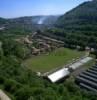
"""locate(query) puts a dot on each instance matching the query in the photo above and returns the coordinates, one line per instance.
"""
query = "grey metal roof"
(88, 77)
(91, 71)
(90, 74)
(86, 81)
(93, 68)
(88, 87)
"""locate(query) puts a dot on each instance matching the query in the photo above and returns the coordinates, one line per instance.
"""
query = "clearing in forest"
(55, 59)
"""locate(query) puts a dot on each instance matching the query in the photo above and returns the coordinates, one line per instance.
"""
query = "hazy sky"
(16, 8)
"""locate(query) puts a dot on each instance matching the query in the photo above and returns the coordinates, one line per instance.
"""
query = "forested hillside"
(82, 18)
(30, 22)
(3, 21)
(26, 25)
(78, 26)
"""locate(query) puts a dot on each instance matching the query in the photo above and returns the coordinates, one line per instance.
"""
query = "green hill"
(3, 21)
(29, 21)
(82, 18)
(79, 26)
(27, 24)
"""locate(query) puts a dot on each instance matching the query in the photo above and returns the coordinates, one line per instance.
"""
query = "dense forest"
(79, 25)
(83, 18)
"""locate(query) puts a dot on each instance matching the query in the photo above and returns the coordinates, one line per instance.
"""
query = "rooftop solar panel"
(90, 74)
(93, 68)
(91, 71)
(86, 81)
(88, 87)
(89, 77)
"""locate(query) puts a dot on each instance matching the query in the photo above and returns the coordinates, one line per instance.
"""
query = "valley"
(50, 57)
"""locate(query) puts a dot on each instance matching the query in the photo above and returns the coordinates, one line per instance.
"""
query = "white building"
(65, 72)
(58, 75)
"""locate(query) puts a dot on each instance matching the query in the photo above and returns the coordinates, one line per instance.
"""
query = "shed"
(58, 75)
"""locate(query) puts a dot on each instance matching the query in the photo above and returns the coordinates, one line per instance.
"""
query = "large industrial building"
(66, 70)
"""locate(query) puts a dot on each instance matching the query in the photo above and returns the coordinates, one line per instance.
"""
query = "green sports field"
(53, 60)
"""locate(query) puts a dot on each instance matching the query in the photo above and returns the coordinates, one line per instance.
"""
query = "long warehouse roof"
(61, 73)
(58, 75)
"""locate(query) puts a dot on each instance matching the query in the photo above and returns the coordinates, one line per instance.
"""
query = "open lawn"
(53, 60)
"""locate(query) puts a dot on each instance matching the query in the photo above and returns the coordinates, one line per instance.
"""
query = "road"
(3, 96)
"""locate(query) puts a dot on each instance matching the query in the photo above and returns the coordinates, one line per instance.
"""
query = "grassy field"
(53, 60)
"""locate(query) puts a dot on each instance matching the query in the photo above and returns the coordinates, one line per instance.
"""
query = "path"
(3, 96)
